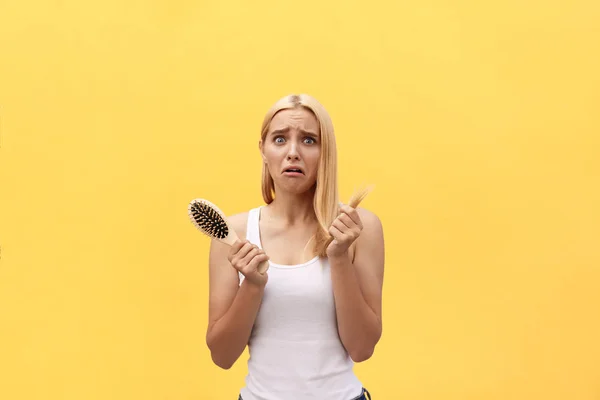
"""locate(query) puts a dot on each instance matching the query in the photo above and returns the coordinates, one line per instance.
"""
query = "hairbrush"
(211, 221)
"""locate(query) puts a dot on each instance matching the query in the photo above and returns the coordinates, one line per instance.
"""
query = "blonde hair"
(326, 198)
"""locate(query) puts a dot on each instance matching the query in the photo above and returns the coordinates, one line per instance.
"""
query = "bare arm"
(233, 307)
(357, 287)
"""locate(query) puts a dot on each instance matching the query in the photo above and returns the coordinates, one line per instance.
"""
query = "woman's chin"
(295, 188)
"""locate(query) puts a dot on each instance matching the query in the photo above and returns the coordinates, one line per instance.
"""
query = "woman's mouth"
(293, 172)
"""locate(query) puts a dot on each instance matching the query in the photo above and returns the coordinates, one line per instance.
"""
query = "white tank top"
(295, 349)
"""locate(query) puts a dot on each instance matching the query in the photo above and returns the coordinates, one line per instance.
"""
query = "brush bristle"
(208, 220)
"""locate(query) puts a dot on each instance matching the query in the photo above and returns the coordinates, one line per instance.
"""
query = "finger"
(338, 235)
(347, 221)
(237, 245)
(347, 209)
(242, 252)
(352, 229)
(251, 254)
(252, 265)
(349, 233)
(353, 214)
(256, 260)
(245, 249)
(341, 226)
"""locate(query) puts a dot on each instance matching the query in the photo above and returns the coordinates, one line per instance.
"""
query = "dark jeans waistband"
(365, 395)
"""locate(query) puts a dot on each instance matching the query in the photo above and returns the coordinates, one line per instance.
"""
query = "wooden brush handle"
(263, 267)
(232, 238)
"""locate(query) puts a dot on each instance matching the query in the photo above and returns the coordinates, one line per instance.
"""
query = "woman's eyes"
(307, 140)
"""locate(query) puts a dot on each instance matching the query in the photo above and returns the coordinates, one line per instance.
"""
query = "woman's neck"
(293, 209)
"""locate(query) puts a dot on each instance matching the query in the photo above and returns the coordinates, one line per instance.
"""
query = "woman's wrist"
(340, 258)
(254, 287)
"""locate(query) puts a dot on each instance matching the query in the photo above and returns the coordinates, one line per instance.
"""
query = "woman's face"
(292, 149)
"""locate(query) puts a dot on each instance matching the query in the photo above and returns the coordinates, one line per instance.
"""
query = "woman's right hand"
(245, 258)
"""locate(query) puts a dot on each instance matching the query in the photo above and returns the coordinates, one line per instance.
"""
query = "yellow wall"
(477, 121)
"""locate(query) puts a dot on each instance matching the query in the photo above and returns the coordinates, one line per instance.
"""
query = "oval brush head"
(210, 220)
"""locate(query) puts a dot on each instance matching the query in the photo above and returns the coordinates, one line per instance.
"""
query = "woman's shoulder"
(239, 222)
(372, 233)
(372, 226)
(368, 216)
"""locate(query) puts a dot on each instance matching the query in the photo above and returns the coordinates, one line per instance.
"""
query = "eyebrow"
(278, 131)
(309, 133)
(285, 130)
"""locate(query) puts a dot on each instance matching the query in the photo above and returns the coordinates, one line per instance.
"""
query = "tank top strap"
(252, 232)
(252, 227)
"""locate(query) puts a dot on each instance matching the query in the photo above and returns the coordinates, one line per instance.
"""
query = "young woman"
(317, 309)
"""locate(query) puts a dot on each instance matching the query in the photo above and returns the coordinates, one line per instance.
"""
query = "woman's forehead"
(298, 118)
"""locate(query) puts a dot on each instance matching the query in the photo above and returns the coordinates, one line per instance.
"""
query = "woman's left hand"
(345, 229)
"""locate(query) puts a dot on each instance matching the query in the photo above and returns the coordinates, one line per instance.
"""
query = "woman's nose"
(292, 153)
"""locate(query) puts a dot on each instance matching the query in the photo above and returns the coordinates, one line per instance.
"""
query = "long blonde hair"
(326, 197)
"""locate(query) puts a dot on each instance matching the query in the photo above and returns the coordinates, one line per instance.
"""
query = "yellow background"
(478, 122)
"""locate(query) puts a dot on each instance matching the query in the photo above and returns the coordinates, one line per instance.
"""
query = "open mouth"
(293, 171)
